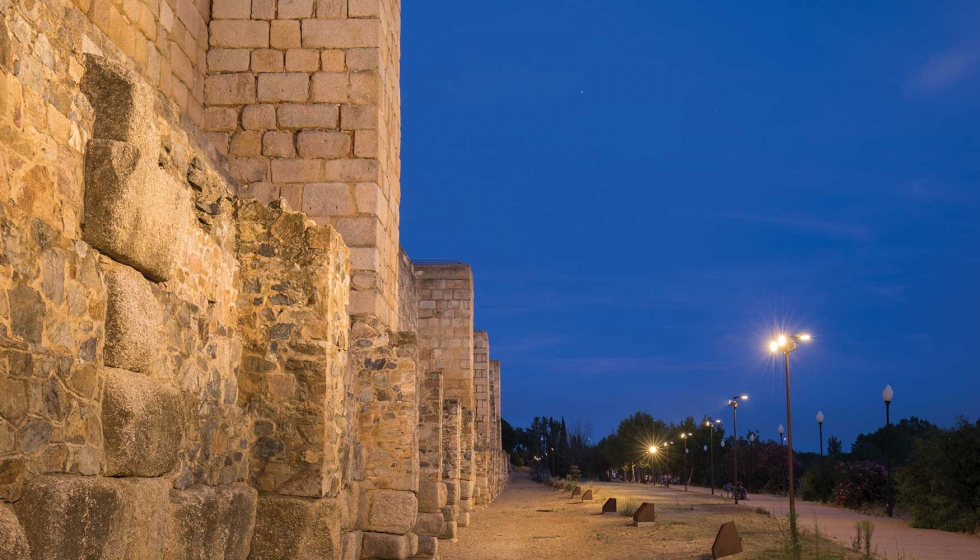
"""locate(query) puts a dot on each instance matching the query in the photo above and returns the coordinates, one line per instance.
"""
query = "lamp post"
(887, 395)
(711, 446)
(786, 345)
(781, 430)
(751, 464)
(653, 453)
(684, 474)
(554, 472)
(820, 424)
(733, 402)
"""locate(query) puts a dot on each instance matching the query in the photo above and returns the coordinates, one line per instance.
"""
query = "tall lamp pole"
(711, 445)
(751, 445)
(781, 431)
(786, 345)
(733, 402)
(554, 472)
(685, 437)
(887, 395)
(820, 424)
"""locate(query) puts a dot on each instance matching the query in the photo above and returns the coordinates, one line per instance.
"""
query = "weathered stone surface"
(465, 505)
(142, 425)
(207, 523)
(463, 519)
(428, 547)
(429, 524)
(71, 517)
(390, 511)
(352, 546)
(452, 492)
(123, 105)
(432, 496)
(134, 212)
(296, 528)
(133, 319)
(449, 514)
(383, 546)
(13, 541)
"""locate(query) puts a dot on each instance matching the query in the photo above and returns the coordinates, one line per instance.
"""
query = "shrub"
(941, 482)
(818, 484)
(516, 460)
(860, 483)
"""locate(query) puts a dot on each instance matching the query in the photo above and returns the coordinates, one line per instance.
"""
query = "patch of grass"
(862, 541)
(628, 506)
(763, 511)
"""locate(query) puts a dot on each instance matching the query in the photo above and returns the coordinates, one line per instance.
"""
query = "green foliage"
(516, 459)
(941, 482)
(861, 543)
(818, 483)
(834, 446)
(871, 447)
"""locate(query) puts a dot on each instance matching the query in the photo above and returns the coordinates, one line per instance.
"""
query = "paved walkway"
(892, 536)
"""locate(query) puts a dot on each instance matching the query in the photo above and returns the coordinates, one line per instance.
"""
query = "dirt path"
(892, 536)
(534, 521)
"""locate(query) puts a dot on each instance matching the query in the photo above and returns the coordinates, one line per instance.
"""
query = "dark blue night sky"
(646, 189)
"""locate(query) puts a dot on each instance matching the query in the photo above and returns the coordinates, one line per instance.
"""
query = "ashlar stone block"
(382, 546)
(13, 541)
(390, 511)
(142, 425)
(296, 528)
(432, 496)
(68, 517)
(123, 105)
(429, 524)
(133, 319)
(207, 523)
(134, 212)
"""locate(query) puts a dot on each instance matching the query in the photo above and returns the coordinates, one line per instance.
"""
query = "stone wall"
(481, 397)
(446, 343)
(304, 98)
(186, 371)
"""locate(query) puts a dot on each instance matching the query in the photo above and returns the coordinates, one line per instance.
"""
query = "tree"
(834, 446)
(871, 447)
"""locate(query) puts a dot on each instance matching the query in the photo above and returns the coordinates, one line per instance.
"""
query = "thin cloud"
(944, 70)
(924, 189)
(627, 365)
(810, 225)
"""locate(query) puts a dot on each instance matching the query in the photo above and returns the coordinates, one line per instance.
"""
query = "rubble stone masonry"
(211, 343)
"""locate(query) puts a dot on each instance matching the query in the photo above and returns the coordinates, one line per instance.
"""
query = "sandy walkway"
(892, 536)
(534, 521)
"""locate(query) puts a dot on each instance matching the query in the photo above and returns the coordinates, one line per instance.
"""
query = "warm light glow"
(781, 340)
(683, 436)
(805, 337)
(717, 421)
(744, 397)
(773, 346)
(653, 449)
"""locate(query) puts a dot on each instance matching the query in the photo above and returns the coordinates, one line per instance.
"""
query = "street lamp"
(711, 445)
(781, 430)
(733, 402)
(751, 445)
(684, 474)
(786, 345)
(887, 395)
(820, 424)
(653, 451)
(554, 471)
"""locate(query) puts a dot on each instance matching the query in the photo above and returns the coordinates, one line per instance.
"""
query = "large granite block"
(432, 496)
(13, 541)
(208, 523)
(142, 425)
(133, 319)
(390, 511)
(123, 105)
(134, 212)
(384, 546)
(296, 528)
(71, 517)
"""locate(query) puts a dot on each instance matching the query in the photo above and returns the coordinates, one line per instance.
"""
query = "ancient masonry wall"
(186, 371)
(481, 396)
(303, 96)
(446, 342)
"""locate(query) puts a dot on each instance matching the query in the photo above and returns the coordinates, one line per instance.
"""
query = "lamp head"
(751, 437)
(888, 394)
(819, 417)
(653, 449)
(774, 347)
(781, 429)
(804, 337)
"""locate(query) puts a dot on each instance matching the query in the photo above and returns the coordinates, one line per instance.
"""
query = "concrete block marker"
(727, 542)
(587, 497)
(609, 506)
(645, 515)
(577, 491)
